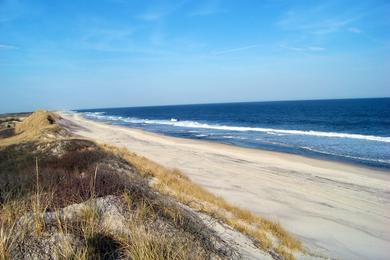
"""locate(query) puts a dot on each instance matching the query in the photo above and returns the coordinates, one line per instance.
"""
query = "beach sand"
(338, 210)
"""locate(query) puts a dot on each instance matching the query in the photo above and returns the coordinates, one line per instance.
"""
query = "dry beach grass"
(64, 197)
(174, 183)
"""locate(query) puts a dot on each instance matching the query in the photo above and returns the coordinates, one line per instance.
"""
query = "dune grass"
(39, 176)
(174, 183)
(178, 240)
(70, 170)
(150, 244)
(7, 241)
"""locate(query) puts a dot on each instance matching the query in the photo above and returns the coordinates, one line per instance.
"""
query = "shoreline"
(319, 201)
(327, 162)
(381, 164)
(317, 156)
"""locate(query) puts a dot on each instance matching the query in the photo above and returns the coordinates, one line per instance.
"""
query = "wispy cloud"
(315, 48)
(303, 49)
(233, 50)
(324, 18)
(294, 21)
(11, 10)
(354, 30)
(206, 12)
(209, 8)
(319, 24)
(152, 15)
(8, 47)
(107, 39)
(158, 12)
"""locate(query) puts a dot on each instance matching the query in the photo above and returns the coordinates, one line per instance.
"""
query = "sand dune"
(339, 210)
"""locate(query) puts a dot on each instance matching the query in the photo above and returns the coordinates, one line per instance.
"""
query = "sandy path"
(339, 210)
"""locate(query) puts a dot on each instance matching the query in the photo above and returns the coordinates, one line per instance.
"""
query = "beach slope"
(338, 210)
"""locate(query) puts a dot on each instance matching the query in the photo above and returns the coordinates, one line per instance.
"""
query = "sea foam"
(194, 124)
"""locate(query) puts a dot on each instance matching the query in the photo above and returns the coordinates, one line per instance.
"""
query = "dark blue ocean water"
(352, 130)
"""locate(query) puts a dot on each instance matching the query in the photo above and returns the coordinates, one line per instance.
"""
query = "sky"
(117, 53)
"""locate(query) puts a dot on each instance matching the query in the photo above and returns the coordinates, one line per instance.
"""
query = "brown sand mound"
(40, 125)
(37, 121)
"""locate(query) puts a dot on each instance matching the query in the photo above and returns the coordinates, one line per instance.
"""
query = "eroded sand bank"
(339, 210)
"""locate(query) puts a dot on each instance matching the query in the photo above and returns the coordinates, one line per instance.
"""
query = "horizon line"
(229, 102)
(194, 104)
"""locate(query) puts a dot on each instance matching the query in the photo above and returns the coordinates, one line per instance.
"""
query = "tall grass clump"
(37, 208)
(158, 243)
(7, 241)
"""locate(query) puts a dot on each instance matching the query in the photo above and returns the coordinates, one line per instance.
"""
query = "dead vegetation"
(268, 235)
(68, 198)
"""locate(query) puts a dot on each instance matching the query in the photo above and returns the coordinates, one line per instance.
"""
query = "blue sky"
(111, 53)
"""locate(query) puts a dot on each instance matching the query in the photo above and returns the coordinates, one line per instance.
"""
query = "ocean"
(348, 130)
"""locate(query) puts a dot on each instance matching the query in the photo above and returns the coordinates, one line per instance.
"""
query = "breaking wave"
(194, 124)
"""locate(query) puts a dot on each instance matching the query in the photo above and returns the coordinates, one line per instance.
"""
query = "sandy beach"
(338, 210)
